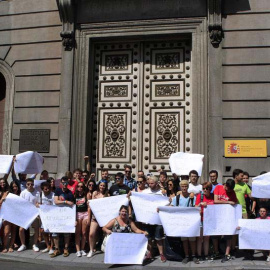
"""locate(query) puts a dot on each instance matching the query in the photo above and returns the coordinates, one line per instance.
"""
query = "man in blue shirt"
(128, 180)
(213, 175)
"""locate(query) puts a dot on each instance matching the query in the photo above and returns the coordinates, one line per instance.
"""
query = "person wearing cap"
(63, 196)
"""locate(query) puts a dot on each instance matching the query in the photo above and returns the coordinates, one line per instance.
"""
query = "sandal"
(4, 250)
(10, 249)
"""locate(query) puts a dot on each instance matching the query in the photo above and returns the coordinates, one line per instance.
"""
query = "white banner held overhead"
(5, 163)
(261, 186)
(145, 207)
(180, 221)
(182, 163)
(221, 219)
(18, 211)
(254, 234)
(58, 219)
(28, 162)
(125, 248)
(106, 209)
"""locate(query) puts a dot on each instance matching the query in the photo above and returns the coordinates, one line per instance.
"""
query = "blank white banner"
(18, 211)
(125, 248)
(254, 234)
(106, 209)
(221, 219)
(145, 207)
(5, 163)
(180, 221)
(28, 162)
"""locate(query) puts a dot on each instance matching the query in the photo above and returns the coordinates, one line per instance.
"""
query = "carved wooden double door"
(142, 104)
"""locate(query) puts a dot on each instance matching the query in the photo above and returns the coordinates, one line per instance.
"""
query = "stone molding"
(66, 12)
(215, 22)
(195, 28)
(7, 71)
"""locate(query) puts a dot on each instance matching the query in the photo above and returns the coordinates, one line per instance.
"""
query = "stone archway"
(6, 100)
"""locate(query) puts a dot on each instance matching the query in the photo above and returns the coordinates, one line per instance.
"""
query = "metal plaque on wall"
(34, 140)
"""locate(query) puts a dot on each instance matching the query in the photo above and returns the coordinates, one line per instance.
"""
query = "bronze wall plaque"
(34, 140)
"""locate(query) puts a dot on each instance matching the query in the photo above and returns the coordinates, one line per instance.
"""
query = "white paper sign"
(254, 234)
(5, 163)
(221, 219)
(180, 221)
(182, 163)
(261, 189)
(106, 209)
(28, 162)
(18, 211)
(37, 184)
(58, 219)
(125, 248)
(145, 207)
(265, 176)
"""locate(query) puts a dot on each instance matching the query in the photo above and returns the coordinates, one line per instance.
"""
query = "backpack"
(189, 200)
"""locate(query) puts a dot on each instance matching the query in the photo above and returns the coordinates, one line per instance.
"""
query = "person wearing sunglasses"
(80, 199)
(119, 188)
(63, 197)
(33, 196)
(203, 199)
(128, 180)
(141, 184)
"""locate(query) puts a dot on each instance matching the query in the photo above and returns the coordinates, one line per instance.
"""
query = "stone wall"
(246, 83)
(30, 44)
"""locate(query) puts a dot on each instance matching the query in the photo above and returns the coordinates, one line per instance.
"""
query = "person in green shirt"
(241, 189)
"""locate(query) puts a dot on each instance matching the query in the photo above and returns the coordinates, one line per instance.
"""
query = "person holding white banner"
(33, 196)
(202, 200)
(63, 196)
(154, 231)
(185, 199)
(226, 195)
(101, 192)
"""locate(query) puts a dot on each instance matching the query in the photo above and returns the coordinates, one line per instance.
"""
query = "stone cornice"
(215, 22)
(66, 12)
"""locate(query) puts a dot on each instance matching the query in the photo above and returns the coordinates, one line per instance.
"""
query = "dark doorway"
(3, 86)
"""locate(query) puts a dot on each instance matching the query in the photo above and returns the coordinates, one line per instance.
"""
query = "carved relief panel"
(142, 104)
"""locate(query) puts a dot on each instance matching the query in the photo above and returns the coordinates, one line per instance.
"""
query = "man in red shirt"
(226, 195)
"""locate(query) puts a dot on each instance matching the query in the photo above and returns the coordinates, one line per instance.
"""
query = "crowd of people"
(78, 187)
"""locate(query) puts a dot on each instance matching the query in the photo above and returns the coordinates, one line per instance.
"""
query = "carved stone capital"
(66, 12)
(215, 22)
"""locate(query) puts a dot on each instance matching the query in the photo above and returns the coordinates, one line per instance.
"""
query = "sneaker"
(35, 248)
(45, 250)
(83, 253)
(268, 259)
(195, 260)
(22, 248)
(79, 254)
(91, 254)
(186, 260)
(51, 251)
(55, 253)
(66, 253)
(162, 258)
(226, 258)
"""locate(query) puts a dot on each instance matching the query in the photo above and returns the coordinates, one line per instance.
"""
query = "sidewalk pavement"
(97, 262)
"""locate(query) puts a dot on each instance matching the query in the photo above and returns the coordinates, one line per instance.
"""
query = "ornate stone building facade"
(130, 82)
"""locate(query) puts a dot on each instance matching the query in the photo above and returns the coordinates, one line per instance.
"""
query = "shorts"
(82, 215)
(57, 234)
(191, 239)
(154, 231)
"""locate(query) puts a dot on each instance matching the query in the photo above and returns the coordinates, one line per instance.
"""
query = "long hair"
(106, 191)
(174, 188)
(94, 185)
(6, 188)
(84, 191)
(11, 190)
